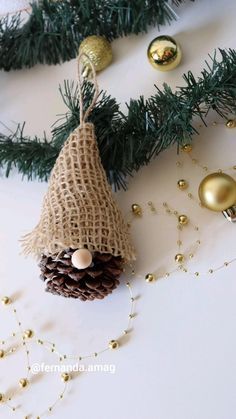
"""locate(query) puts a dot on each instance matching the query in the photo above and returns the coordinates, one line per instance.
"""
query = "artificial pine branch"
(129, 141)
(54, 30)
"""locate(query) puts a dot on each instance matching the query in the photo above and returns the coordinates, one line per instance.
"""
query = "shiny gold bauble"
(136, 210)
(179, 258)
(183, 219)
(217, 192)
(187, 148)
(150, 277)
(6, 301)
(65, 377)
(23, 382)
(182, 184)
(99, 51)
(113, 344)
(164, 53)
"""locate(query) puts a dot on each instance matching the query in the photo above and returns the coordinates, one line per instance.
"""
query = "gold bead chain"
(27, 337)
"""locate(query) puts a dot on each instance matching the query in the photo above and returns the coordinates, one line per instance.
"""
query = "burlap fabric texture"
(79, 210)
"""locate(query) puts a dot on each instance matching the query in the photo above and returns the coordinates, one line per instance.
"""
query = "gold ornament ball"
(179, 258)
(2, 353)
(187, 148)
(99, 51)
(136, 210)
(182, 184)
(65, 377)
(183, 219)
(23, 382)
(164, 53)
(217, 192)
(113, 344)
(150, 277)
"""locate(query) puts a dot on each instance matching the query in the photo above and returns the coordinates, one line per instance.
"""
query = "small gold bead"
(13, 409)
(61, 396)
(226, 263)
(6, 301)
(128, 284)
(136, 210)
(50, 409)
(187, 148)
(1, 397)
(198, 242)
(23, 382)
(28, 334)
(95, 354)
(196, 274)
(125, 332)
(231, 123)
(132, 299)
(182, 184)
(210, 271)
(191, 255)
(150, 277)
(65, 377)
(167, 274)
(190, 195)
(113, 344)
(179, 258)
(214, 123)
(2, 353)
(183, 219)
(131, 316)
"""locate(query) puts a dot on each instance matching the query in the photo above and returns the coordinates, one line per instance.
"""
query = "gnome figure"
(82, 238)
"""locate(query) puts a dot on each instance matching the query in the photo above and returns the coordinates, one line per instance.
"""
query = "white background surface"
(180, 361)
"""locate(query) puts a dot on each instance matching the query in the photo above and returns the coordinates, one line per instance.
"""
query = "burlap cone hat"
(79, 210)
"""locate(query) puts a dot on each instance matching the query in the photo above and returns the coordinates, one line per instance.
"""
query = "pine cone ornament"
(81, 238)
(96, 281)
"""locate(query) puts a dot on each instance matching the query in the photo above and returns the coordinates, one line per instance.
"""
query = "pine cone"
(97, 281)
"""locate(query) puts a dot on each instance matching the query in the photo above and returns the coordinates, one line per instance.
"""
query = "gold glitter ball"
(164, 53)
(99, 51)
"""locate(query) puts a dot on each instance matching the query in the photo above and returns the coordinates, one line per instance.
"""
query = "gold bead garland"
(28, 337)
(24, 382)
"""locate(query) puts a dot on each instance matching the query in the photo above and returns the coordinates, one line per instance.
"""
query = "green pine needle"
(131, 140)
